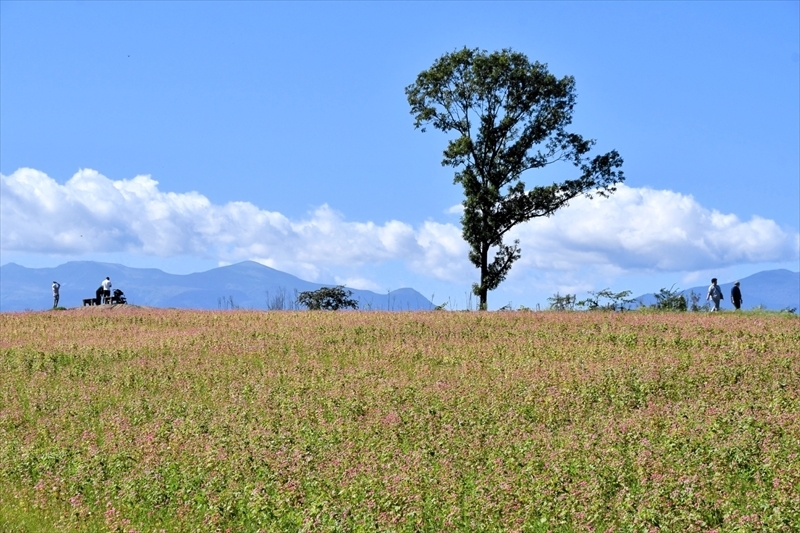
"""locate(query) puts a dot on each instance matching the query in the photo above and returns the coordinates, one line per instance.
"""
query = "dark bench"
(106, 300)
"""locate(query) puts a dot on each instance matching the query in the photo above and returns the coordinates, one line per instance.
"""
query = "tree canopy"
(328, 299)
(510, 116)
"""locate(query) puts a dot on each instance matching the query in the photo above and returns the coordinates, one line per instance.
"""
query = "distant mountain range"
(246, 285)
(770, 289)
(251, 285)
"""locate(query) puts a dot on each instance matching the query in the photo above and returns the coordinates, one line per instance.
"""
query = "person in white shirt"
(714, 294)
(106, 287)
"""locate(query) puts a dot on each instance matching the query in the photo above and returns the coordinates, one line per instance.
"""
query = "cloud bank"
(91, 212)
(637, 229)
(658, 230)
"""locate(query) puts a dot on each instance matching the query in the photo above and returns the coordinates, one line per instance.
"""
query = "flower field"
(138, 420)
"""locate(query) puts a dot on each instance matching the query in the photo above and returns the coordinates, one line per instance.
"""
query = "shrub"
(613, 301)
(696, 305)
(562, 303)
(670, 300)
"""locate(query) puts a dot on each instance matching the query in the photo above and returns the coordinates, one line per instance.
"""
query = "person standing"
(714, 294)
(106, 287)
(736, 296)
(56, 287)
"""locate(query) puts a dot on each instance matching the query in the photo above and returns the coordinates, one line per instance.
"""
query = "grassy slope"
(149, 420)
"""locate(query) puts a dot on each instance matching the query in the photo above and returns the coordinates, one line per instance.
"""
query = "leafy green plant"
(670, 300)
(562, 303)
(695, 303)
(606, 300)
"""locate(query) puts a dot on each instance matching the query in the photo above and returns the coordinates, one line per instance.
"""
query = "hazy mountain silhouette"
(771, 289)
(248, 285)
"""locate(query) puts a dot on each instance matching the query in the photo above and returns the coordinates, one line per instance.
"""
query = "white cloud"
(646, 229)
(457, 209)
(634, 230)
(445, 254)
(359, 283)
(91, 212)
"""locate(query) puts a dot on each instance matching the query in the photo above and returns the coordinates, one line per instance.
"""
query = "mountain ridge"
(248, 285)
(770, 289)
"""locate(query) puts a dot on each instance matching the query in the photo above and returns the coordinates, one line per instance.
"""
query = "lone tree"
(510, 116)
(328, 299)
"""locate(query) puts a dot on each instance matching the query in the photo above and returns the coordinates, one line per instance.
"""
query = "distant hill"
(771, 289)
(248, 285)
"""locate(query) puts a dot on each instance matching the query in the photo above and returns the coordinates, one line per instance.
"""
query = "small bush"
(606, 300)
(562, 303)
(695, 303)
(671, 300)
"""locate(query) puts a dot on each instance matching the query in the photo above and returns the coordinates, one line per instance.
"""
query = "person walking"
(106, 287)
(736, 296)
(714, 294)
(56, 287)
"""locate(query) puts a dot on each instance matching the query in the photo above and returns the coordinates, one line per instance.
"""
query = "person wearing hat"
(714, 294)
(56, 286)
(736, 296)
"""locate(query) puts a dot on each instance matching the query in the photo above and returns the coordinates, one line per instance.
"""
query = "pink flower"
(391, 419)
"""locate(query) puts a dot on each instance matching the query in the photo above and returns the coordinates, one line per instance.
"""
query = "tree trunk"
(484, 274)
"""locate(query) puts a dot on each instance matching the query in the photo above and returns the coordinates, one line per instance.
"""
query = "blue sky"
(187, 135)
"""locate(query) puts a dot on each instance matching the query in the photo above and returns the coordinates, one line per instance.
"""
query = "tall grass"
(135, 420)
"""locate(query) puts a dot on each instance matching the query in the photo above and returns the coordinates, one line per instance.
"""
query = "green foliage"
(671, 300)
(562, 303)
(695, 303)
(510, 116)
(327, 299)
(606, 300)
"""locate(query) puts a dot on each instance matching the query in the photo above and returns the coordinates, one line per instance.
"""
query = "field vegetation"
(138, 420)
